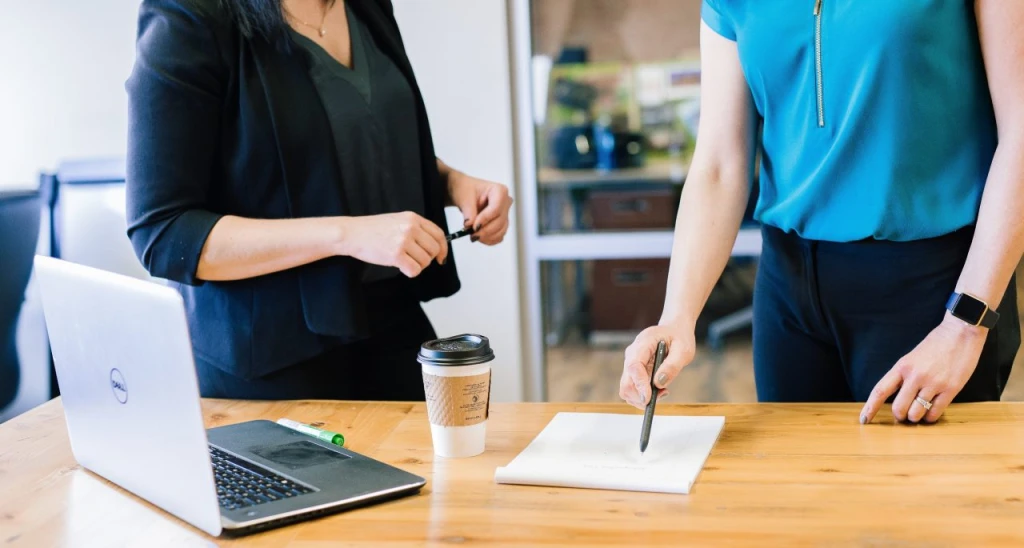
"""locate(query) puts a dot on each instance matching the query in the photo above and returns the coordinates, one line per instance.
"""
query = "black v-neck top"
(371, 110)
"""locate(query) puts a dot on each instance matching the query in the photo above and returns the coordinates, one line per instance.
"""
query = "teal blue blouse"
(878, 121)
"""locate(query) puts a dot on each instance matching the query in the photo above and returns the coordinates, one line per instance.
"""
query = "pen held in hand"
(460, 234)
(645, 432)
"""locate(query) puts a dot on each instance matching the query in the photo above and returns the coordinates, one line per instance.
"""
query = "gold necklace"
(323, 17)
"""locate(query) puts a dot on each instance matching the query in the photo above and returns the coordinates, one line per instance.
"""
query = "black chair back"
(19, 234)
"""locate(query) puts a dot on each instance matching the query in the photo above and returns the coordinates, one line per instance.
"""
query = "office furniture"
(88, 216)
(19, 235)
(780, 475)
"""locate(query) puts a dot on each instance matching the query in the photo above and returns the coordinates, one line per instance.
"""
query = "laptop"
(127, 379)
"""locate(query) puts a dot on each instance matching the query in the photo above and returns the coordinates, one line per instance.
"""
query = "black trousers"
(830, 319)
(380, 368)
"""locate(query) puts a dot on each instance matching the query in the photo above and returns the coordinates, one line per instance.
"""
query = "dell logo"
(118, 385)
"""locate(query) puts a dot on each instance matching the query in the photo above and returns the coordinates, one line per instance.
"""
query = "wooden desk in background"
(786, 475)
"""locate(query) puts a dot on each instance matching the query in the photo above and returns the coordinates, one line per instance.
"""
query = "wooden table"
(786, 475)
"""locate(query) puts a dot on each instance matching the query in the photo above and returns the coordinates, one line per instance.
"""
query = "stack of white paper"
(602, 451)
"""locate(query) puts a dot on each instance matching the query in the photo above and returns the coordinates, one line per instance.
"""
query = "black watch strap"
(972, 310)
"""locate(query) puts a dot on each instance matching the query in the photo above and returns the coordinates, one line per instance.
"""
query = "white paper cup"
(457, 382)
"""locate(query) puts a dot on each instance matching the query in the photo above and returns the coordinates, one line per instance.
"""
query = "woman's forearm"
(999, 234)
(710, 213)
(717, 188)
(446, 172)
(239, 248)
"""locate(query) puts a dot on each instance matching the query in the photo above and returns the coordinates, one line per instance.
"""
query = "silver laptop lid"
(128, 384)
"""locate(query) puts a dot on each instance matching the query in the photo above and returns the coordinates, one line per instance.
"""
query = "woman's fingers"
(420, 255)
(408, 265)
(627, 389)
(437, 243)
(498, 202)
(493, 233)
(905, 398)
(886, 387)
(635, 369)
(917, 411)
(425, 241)
(939, 405)
(678, 357)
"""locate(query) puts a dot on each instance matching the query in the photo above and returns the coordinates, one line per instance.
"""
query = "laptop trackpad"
(297, 455)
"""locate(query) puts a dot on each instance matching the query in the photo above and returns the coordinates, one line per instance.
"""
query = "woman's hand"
(936, 370)
(402, 240)
(635, 385)
(484, 204)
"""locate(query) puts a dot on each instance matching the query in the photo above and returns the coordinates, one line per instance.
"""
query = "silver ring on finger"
(923, 403)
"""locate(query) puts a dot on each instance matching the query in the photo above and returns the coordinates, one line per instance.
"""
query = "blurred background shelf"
(658, 173)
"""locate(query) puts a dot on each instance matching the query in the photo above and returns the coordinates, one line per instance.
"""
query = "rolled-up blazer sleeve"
(175, 95)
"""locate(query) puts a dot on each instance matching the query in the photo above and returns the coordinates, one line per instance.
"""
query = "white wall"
(63, 64)
(62, 70)
(459, 50)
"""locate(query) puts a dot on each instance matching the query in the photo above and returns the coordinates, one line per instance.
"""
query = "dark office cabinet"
(633, 209)
(627, 294)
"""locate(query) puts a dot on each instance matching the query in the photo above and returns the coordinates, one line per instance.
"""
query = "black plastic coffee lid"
(459, 350)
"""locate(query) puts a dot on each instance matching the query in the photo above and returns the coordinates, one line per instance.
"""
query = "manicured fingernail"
(662, 379)
(863, 419)
(477, 227)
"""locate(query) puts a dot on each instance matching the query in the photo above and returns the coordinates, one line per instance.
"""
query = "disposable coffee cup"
(457, 382)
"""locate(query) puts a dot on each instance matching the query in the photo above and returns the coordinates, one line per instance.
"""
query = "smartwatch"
(972, 310)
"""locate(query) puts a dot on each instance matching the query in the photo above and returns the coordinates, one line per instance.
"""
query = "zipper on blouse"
(818, 85)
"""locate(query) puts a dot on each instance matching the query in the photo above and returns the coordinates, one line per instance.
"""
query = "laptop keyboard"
(241, 484)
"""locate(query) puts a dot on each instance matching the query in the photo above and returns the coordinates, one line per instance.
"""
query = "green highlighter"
(322, 435)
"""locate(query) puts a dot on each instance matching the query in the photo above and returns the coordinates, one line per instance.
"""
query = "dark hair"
(263, 18)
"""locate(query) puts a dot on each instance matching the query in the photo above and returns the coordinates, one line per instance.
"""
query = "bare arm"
(717, 188)
(239, 248)
(446, 172)
(714, 198)
(999, 235)
(938, 368)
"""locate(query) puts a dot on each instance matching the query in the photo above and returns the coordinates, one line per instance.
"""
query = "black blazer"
(223, 124)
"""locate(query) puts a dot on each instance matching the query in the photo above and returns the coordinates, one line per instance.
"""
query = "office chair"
(19, 233)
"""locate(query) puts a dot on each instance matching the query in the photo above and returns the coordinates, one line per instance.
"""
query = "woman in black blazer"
(281, 174)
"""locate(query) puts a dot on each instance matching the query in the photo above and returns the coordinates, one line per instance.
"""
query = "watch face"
(969, 309)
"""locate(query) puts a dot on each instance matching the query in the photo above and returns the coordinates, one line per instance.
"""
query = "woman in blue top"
(891, 199)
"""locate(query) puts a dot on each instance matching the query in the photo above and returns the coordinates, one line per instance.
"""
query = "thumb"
(470, 210)
(679, 355)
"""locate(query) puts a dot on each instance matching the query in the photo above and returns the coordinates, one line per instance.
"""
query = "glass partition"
(613, 89)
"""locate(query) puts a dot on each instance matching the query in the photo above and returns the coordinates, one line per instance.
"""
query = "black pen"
(645, 432)
(461, 233)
